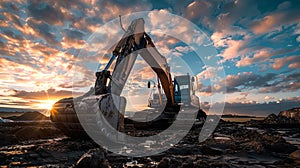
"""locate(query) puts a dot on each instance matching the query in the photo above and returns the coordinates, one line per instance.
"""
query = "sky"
(257, 44)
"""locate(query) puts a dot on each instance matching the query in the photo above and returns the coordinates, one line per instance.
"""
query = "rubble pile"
(278, 119)
(288, 118)
(293, 113)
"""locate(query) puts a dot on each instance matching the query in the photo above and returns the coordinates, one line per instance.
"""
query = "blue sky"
(256, 41)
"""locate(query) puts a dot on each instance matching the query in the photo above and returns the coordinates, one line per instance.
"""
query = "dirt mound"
(17, 132)
(29, 116)
(30, 133)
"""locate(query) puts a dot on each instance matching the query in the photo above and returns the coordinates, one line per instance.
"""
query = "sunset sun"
(47, 104)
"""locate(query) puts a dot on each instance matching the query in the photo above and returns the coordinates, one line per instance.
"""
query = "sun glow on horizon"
(45, 104)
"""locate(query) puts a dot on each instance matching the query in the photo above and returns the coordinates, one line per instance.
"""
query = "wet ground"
(231, 145)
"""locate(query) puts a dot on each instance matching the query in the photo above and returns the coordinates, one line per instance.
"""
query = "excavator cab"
(183, 95)
(184, 92)
(177, 92)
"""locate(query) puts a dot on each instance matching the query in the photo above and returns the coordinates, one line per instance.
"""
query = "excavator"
(106, 93)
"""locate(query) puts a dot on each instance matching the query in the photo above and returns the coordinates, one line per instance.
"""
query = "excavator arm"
(135, 41)
(160, 66)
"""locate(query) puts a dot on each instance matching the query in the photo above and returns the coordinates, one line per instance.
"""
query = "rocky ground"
(231, 145)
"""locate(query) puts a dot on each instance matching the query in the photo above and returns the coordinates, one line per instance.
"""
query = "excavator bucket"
(83, 116)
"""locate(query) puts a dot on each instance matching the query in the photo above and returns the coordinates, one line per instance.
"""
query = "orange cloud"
(45, 94)
(261, 55)
(208, 73)
(274, 20)
(292, 62)
(233, 49)
(268, 23)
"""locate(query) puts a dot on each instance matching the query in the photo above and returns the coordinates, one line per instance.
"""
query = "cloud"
(193, 12)
(42, 30)
(45, 12)
(281, 87)
(289, 83)
(219, 39)
(294, 76)
(72, 39)
(163, 42)
(268, 23)
(261, 55)
(249, 80)
(233, 49)
(261, 109)
(252, 107)
(112, 9)
(77, 84)
(207, 73)
(291, 62)
(231, 25)
(161, 22)
(282, 16)
(245, 94)
(222, 17)
(242, 97)
(244, 82)
(45, 94)
(276, 58)
(38, 74)
(13, 102)
(267, 98)
(183, 49)
(141, 73)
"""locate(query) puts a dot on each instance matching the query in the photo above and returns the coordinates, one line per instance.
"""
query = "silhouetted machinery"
(109, 85)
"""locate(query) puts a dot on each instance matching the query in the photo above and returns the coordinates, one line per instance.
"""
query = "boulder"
(295, 154)
(271, 119)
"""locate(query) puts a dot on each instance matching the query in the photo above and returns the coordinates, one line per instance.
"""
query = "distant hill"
(7, 109)
(29, 116)
(237, 116)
